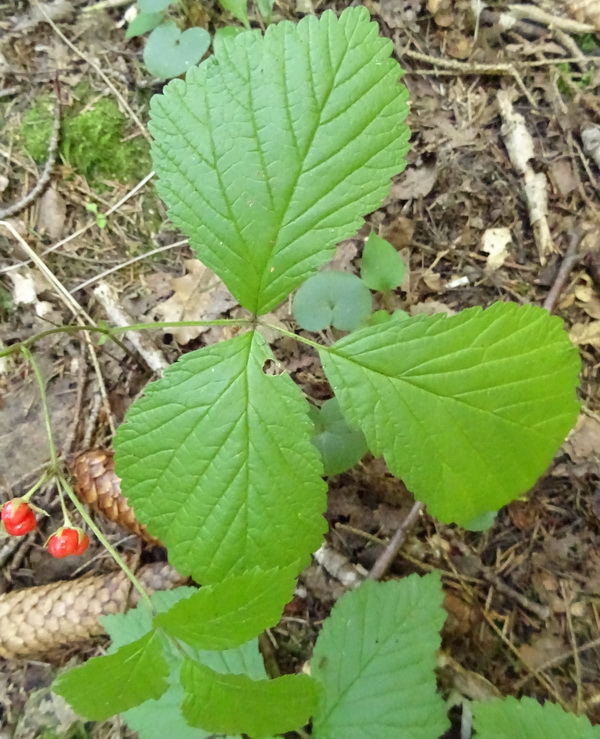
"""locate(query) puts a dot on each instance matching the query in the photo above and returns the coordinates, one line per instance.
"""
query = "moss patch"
(91, 139)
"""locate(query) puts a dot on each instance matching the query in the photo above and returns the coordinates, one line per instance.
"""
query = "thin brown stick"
(569, 261)
(388, 555)
(44, 178)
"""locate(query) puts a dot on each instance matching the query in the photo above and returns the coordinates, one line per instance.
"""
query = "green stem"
(63, 486)
(29, 494)
(47, 420)
(105, 543)
(112, 332)
(301, 339)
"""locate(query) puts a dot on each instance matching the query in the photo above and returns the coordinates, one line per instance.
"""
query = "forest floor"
(523, 597)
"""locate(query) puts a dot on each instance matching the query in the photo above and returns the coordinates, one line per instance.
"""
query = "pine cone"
(97, 485)
(39, 619)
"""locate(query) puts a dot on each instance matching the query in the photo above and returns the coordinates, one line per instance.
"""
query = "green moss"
(91, 140)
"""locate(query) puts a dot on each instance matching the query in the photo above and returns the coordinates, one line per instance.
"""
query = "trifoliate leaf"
(509, 718)
(216, 459)
(340, 445)
(236, 704)
(382, 268)
(170, 52)
(142, 23)
(274, 149)
(105, 686)
(332, 298)
(238, 9)
(375, 659)
(469, 409)
(154, 6)
(231, 612)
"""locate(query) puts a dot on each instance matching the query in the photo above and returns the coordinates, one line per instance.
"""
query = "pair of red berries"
(19, 519)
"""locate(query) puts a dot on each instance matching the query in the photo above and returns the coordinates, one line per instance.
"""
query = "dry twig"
(44, 178)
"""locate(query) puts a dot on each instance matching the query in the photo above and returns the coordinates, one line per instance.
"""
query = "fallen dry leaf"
(199, 295)
(583, 442)
(494, 243)
(585, 333)
(51, 214)
(417, 182)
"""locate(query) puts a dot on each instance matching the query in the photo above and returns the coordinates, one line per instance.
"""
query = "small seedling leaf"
(375, 660)
(332, 298)
(262, 707)
(105, 686)
(265, 8)
(217, 460)
(154, 6)
(142, 23)
(170, 52)
(340, 445)
(231, 612)
(382, 268)
(238, 9)
(469, 409)
(273, 150)
(527, 719)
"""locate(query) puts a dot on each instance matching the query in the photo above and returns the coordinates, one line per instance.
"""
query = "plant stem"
(64, 487)
(301, 339)
(47, 420)
(105, 543)
(112, 332)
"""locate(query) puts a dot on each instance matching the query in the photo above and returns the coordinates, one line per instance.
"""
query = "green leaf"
(382, 268)
(142, 23)
(105, 686)
(332, 298)
(154, 6)
(341, 447)
(468, 410)
(509, 718)
(262, 707)
(231, 612)
(238, 9)
(482, 522)
(265, 8)
(273, 149)
(223, 36)
(375, 659)
(156, 719)
(216, 459)
(170, 52)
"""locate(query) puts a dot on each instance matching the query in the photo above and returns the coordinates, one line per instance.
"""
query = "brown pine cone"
(39, 619)
(97, 485)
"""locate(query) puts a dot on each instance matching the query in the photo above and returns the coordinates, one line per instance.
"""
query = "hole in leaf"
(271, 367)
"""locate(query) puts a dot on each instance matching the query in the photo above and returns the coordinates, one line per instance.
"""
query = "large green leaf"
(509, 718)
(468, 410)
(216, 459)
(237, 704)
(231, 612)
(375, 659)
(105, 686)
(272, 150)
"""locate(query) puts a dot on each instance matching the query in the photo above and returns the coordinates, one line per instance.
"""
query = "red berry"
(18, 518)
(67, 541)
